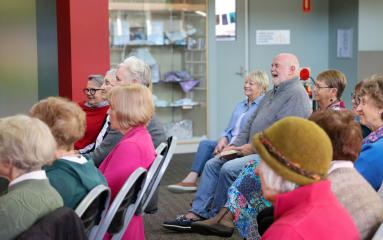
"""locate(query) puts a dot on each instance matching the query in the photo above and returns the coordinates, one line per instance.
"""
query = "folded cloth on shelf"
(188, 85)
(177, 76)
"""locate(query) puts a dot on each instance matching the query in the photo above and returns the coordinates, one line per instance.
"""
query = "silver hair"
(98, 79)
(26, 143)
(138, 69)
(275, 182)
(111, 71)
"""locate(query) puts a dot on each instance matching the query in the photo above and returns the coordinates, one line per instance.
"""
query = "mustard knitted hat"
(296, 149)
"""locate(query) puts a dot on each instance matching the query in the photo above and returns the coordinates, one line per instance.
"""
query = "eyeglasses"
(355, 98)
(317, 86)
(91, 91)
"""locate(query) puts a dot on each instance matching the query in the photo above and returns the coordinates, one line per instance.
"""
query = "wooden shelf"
(188, 145)
(157, 7)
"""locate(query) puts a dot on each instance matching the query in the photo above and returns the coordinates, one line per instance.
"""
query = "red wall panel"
(83, 43)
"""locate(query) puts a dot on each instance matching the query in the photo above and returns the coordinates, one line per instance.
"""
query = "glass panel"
(170, 36)
(225, 26)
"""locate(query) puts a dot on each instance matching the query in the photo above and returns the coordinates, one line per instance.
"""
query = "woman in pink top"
(131, 108)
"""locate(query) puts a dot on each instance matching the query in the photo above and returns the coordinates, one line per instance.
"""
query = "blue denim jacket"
(241, 107)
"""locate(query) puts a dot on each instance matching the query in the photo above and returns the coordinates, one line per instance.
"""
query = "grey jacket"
(112, 137)
(287, 99)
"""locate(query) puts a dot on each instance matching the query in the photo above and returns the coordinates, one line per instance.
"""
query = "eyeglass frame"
(91, 91)
(319, 87)
(356, 98)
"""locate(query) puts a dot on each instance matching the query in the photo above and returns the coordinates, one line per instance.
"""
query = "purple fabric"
(177, 76)
(374, 136)
(188, 85)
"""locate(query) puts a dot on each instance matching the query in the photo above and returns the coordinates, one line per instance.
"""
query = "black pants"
(265, 218)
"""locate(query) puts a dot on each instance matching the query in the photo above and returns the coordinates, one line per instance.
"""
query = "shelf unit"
(173, 32)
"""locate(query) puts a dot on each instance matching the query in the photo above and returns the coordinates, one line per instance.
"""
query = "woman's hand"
(244, 150)
(222, 143)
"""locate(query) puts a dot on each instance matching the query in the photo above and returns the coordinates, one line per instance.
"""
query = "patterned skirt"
(245, 201)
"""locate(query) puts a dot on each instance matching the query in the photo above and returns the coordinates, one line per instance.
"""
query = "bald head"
(285, 66)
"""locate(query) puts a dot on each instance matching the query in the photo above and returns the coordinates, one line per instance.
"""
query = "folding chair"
(122, 208)
(62, 223)
(152, 206)
(92, 206)
(159, 170)
(161, 148)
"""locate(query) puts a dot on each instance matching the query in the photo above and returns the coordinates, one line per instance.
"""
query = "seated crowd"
(231, 195)
(292, 173)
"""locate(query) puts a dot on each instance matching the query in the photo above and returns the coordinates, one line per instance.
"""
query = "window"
(225, 28)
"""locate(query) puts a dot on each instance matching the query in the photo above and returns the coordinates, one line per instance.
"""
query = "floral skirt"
(245, 201)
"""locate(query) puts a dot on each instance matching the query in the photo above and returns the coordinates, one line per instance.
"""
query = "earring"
(331, 100)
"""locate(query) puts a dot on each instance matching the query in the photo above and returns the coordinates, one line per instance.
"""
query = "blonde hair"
(26, 143)
(260, 78)
(133, 105)
(139, 70)
(333, 79)
(65, 119)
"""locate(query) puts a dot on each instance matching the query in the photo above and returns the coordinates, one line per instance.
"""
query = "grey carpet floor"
(170, 205)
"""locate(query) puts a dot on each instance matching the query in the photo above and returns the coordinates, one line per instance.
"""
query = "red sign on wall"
(306, 6)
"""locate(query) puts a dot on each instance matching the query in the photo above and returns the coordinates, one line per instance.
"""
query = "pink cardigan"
(311, 212)
(134, 150)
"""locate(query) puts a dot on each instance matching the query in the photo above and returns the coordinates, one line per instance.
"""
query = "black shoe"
(215, 229)
(180, 224)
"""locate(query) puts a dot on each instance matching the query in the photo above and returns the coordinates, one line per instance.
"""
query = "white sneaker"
(183, 187)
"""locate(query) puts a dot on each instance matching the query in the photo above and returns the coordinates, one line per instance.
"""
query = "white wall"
(370, 25)
(370, 55)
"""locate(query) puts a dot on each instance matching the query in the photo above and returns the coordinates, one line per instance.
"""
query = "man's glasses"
(91, 91)
(355, 98)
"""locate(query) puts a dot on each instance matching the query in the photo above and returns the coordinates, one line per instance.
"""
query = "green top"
(24, 204)
(73, 180)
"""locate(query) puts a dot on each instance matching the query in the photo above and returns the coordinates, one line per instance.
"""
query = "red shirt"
(95, 118)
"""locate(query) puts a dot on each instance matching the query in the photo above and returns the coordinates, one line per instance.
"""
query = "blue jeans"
(204, 153)
(217, 177)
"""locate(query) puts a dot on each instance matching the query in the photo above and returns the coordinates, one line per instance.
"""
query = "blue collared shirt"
(242, 107)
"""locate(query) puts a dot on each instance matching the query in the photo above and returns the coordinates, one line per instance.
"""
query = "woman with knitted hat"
(295, 157)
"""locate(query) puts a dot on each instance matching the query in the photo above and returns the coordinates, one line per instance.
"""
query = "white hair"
(138, 69)
(25, 142)
(275, 182)
(111, 72)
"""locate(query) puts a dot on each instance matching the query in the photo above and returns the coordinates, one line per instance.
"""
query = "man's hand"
(244, 150)
(222, 143)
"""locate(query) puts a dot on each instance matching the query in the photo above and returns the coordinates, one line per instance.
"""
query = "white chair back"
(93, 206)
(122, 208)
(159, 170)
